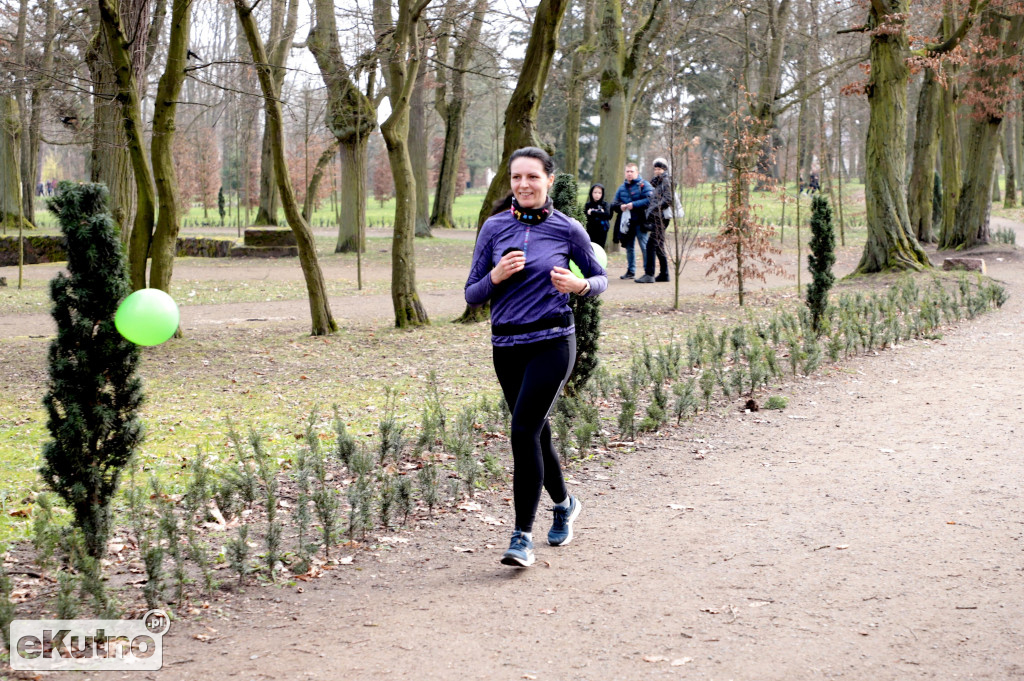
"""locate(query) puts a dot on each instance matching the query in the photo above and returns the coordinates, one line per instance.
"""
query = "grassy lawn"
(705, 200)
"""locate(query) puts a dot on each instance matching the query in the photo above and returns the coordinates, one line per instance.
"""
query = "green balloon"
(599, 255)
(575, 269)
(147, 317)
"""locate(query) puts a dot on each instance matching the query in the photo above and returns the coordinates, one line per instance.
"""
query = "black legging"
(656, 246)
(532, 377)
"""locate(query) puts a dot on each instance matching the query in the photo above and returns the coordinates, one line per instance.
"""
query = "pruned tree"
(891, 243)
(997, 65)
(123, 59)
(920, 191)
(319, 307)
(283, 23)
(400, 53)
(450, 100)
(351, 117)
(624, 71)
(164, 246)
(521, 112)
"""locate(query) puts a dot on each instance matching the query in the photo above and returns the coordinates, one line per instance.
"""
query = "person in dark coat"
(659, 215)
(630, 202)
(598, 215)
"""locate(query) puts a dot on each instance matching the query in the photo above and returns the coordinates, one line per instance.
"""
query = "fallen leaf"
(20, 513)
(655, 658)
(393, 540)
(470, 506)
(840, 547)
(529, 676)
(463, 550)
(347, 560)
(681, 661)
(548, 611)
(205, 638)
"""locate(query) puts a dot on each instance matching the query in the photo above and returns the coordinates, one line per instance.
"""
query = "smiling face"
(530, 183)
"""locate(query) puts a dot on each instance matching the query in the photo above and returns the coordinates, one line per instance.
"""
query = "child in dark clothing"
(599, 215)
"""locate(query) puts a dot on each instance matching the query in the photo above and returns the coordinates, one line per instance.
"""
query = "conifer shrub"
(586, 311)
(820, 261)
(93, 393)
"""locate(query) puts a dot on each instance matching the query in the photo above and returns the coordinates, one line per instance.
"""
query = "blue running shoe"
(520, 551)
(561, 530)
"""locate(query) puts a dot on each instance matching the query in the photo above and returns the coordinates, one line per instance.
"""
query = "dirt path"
(872, 530)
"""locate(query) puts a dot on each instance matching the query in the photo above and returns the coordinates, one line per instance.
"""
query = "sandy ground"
(872, 530)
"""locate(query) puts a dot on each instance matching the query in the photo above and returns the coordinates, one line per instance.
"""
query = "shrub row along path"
(872, 530)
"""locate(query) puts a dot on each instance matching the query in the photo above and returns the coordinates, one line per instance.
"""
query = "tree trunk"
(921, 191)
(972, 211)
(891, 244)
(279, 42)
(326, 157)
(1010, 161)
(453, 112)
(30, 168)
(27, 185)
(165, 237)
(110, 160)
(521, 112)
(577, 86)
(418, 153)
(401, 62)
(949, 163)
(121, 54)
(270, 198)
(351, 235)
(351, 117)
(10, 152)
(319, 306)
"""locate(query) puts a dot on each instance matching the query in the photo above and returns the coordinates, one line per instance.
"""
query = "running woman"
(520, 264)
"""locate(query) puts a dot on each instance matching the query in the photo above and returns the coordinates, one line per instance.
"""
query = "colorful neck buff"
(531, 216)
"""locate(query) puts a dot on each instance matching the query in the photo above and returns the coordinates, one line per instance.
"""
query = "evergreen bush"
(93, 394)
(820, 260)
(586, 311)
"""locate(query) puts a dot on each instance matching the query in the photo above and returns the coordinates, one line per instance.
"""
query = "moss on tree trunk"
(891, 244)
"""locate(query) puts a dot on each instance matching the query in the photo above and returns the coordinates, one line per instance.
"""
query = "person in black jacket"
(659, 215)
(598, 215)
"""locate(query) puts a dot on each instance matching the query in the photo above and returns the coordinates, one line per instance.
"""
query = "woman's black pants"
(532, 376)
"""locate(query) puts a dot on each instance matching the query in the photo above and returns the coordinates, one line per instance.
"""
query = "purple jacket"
(529, 295)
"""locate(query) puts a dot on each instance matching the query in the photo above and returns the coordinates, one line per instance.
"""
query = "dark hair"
(537, 153)
(502, 205)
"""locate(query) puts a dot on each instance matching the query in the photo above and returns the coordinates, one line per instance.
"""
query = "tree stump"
(969, 264)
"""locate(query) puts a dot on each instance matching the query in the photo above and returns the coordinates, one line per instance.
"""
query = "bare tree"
(400, 53)
(319, 306)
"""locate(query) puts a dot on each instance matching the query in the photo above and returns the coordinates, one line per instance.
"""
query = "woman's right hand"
(509, 264)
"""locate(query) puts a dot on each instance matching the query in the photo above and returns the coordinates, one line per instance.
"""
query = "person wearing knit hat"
(659, 214)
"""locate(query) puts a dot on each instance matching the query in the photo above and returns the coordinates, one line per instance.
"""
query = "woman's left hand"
(565, 281)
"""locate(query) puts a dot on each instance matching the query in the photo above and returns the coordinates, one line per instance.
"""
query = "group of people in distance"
(645, 210)
(521, 266)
